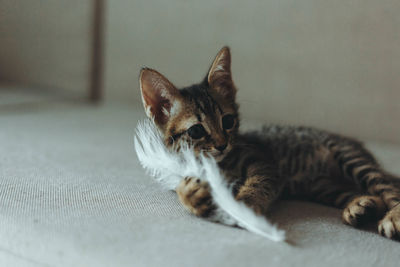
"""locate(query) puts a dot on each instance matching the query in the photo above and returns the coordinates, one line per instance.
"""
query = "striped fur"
(275, 162)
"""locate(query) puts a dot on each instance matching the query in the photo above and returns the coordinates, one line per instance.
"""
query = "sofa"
(72, 193)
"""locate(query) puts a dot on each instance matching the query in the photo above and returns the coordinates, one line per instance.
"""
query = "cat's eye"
(196, 131)
(228, 121)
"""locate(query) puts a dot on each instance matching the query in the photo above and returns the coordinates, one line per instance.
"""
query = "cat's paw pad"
(362, 210)
(195, 196)
(389, 226)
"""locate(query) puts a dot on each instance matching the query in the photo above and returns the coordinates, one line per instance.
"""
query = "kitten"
(275, 162)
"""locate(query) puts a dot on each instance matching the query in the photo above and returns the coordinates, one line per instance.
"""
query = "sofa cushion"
(72, 193)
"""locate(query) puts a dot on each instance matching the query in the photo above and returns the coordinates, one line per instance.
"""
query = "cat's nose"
(221, 148)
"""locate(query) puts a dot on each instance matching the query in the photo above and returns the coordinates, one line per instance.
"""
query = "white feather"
(169, 168)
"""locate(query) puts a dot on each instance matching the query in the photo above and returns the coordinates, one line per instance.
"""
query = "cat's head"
(204, 115)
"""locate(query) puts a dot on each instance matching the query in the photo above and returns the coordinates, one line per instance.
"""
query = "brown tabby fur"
(275, 162)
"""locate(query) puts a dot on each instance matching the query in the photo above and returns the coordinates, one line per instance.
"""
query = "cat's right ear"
(160, 97)
(220, 76)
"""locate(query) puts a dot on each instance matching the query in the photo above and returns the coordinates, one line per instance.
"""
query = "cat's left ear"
(220, 76)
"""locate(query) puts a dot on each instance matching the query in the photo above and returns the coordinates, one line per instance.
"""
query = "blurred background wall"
(331, 64)
(46, 44)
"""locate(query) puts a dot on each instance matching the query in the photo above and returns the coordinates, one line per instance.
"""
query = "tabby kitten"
(274, 162)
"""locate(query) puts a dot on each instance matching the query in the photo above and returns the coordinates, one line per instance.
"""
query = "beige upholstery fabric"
(72, 193)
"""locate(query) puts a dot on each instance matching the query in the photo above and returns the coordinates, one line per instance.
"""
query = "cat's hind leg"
(358, 209)
(363, 209)
(359, 165)
(389, 226)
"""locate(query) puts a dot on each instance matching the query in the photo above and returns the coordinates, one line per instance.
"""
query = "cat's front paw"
(195, 195)
(389, 226)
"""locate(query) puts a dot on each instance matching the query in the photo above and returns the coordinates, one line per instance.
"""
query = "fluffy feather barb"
(169, 168)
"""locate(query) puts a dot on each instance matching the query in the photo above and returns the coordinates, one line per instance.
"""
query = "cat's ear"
(160, 97)
(220, 77)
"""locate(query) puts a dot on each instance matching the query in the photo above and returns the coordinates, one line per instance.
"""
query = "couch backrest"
(331, 64)
(47, 44)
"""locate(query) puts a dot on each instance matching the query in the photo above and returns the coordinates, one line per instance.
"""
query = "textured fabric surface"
(72, 193)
